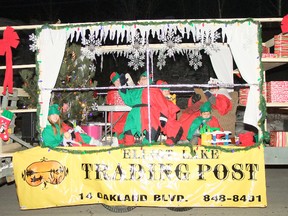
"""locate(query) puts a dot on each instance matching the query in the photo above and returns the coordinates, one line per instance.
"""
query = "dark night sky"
(21, 12)
(49, 11)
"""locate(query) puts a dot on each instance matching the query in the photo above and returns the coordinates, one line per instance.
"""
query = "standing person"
(173, 129)
(54, 134)
(138, 119)
(119, 118)
(205, 119)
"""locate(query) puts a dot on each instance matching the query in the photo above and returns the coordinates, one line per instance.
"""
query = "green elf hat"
(144, 74)
(54, 109)
(161, 82)
(114, 76)
(206, 107)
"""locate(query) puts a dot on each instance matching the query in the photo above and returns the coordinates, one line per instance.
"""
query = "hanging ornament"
(137, 51)
(73, 55)
(92, 47)
(195, 58)
(33, 47)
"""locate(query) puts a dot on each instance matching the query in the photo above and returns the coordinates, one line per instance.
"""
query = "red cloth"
(119, 118)
(77, 138)
(159, 105)
(222, 104)
(246, 139)
(186, 120)
(172, 126)
(10, 39)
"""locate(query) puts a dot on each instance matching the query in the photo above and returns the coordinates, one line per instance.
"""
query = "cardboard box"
(279, 138)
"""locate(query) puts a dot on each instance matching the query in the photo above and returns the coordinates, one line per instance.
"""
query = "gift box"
(93, 129)
(279, 138)
(243, 94)
(265, 49)
(269, 55)
(281, 45)
(277, 91)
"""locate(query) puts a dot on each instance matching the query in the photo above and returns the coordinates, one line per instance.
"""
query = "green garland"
(191, 147)
(144, 23)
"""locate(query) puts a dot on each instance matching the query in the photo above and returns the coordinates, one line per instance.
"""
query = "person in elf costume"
(202, 121)
(138, 119)
(5, 121)
(113, 98)
(56, 133)
(173, 129)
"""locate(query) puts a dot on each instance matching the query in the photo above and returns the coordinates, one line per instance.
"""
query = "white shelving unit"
(275, 155)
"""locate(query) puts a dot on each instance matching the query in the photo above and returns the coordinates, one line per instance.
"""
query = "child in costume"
(119, 118)
(56, 133)
(205, 119)
(173, 129)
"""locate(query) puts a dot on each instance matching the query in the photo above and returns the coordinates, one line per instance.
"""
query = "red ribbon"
(10, 39)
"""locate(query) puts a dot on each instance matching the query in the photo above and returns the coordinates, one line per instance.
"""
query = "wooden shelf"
(270, 63)
(277, 105)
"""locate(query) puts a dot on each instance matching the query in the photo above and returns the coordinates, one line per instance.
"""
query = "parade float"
(216, 173)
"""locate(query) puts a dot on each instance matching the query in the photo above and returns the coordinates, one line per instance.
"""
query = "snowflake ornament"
(92, 67)
(137, 52)
(91, 47)
(94, 106)
(172, 42)
(161, 60)
(209, 41)
(195, 58)
(136, 61)
(33, 47)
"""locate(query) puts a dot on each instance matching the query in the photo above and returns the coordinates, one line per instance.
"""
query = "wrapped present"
(93, 129)
(265, 49)
(281, 45)
(243, 94)
(277, 91)
(269, 55)
(279, 139)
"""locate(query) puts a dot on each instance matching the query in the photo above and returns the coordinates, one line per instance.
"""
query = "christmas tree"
(30, 86)
(77, 72)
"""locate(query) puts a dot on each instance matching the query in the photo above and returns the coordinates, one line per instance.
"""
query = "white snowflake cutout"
(161, 60)
(136, 62)
(94, 106)
(136, 52)
(91, 47)
(33, 47)
(209, 41)
(195, 58)
(92, 67)
(172, 42)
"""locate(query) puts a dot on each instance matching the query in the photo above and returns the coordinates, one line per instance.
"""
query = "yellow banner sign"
(141, 176)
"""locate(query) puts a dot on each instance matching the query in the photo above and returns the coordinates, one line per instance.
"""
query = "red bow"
(10, 39)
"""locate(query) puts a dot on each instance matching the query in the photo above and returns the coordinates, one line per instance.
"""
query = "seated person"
(54, 135)
(166, 91)
(205, 119)
(173, 129)
(113, 98)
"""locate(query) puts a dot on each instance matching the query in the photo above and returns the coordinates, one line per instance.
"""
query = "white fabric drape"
(222, 62)
(243, 42)
(51, 51)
